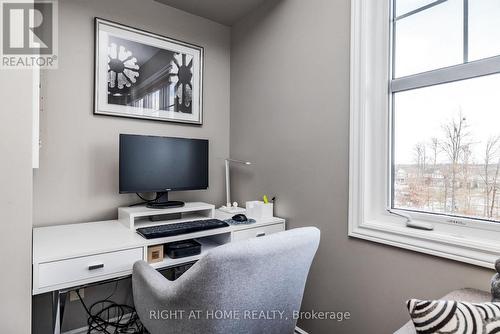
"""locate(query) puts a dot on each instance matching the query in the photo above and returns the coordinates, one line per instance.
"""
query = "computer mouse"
(240, 218)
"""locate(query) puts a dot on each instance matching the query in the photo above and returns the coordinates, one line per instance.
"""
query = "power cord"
(112, 318)
(148, 200)
(144, 200)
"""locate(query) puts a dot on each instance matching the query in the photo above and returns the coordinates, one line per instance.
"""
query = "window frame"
(370, 182)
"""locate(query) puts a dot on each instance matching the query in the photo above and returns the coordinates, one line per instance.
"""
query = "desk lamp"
(229, 208)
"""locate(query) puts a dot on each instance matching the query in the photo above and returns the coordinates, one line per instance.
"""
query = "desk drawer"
(87, 267)
(258, 232)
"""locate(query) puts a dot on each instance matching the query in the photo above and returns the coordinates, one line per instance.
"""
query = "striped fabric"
(449, 317)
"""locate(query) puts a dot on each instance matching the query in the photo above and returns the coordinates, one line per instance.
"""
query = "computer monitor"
(162, 164)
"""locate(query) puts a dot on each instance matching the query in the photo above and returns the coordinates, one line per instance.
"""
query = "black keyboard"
(169, 230)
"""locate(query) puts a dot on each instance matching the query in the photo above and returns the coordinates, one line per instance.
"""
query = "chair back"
(253, 286)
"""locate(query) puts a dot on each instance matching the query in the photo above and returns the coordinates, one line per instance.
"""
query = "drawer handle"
(96, 266)
(260, 234)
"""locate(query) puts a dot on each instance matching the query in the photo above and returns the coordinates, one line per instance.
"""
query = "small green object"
(265, 199)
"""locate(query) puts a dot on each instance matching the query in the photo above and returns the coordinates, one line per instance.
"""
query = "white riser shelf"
(138, 216)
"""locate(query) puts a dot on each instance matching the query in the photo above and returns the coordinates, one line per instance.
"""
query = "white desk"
(67, 257)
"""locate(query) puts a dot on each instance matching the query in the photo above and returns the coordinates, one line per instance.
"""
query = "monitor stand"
(162, 202)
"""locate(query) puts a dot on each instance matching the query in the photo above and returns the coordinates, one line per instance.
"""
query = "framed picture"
(144, 75)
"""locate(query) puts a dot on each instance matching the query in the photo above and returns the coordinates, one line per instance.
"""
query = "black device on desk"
(169, 230)
(183, 248)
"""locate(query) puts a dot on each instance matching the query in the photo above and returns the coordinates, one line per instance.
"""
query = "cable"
(125, 318)
(145, 200)
(112, 293)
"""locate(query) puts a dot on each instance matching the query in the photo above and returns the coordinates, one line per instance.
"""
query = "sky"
(434, 39)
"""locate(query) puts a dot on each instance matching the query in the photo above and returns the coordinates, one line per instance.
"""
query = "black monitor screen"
(159, 164)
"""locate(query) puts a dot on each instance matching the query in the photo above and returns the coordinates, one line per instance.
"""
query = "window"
(446, 133)
(424, 132)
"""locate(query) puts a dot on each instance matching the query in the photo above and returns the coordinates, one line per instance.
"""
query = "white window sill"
(439, 242)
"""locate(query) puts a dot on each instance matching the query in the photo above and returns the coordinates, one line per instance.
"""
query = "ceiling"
(226, 12)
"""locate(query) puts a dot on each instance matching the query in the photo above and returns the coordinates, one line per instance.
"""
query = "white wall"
(78, 176)
(16, 184)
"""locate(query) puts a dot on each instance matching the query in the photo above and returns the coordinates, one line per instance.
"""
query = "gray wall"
(16, 180)
(78, 176)
(290, 110)
(290, 115)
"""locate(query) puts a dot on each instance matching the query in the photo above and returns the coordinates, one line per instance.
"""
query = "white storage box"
(259, 209)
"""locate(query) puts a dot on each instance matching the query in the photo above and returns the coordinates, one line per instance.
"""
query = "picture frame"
(139, 74)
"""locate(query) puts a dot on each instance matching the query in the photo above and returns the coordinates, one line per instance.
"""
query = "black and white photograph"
(143, 75)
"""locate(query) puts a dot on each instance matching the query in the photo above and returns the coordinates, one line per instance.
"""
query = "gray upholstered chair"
(244, 279)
